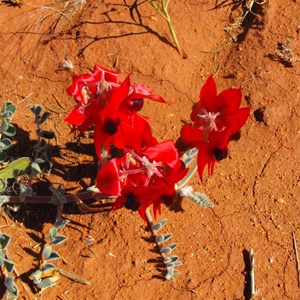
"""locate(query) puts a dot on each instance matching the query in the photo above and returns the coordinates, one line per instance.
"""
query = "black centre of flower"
(220, 154)
(136, 104)
(111, 126)
(131, 202)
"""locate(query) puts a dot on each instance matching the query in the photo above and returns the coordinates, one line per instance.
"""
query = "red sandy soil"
(256, 191)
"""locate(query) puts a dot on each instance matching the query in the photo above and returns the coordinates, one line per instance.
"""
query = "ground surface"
(256, 191)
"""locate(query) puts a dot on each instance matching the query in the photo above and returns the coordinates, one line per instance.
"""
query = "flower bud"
(136, 104)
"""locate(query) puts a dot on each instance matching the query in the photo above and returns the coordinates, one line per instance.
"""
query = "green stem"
(163, 11)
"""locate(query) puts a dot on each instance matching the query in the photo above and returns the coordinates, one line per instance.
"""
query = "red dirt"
(256, 191)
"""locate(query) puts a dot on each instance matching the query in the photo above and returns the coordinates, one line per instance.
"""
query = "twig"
(252, 275)
(297, 257)
(72, 277)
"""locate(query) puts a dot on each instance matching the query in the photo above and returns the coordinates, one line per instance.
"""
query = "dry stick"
(252, 276)
(72, 277)
(297, 257)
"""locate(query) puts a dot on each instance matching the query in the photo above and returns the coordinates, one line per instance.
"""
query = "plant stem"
(163, 11)
(154, 232)
(48, 199)
(188, 176)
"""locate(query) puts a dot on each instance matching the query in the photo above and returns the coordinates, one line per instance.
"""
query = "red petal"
(191, 136)
(140, 91)
(75, 117)
(228, 101)
(202, 159)
(108, 178)
(208, 95)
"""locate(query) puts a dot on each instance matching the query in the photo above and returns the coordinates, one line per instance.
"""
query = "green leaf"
(39, 160)
(4, 240)
(45, 283)
(4, 125)
(10, 131)
(158, 226)
(11, 288)
(47, 251)
(16, 168)
(9, 265)
(36, 109)
(5, 144)
(47, 134)
(163, 237)
(36, 276)
(61, 223)
(54, 256)
(8, 109)
(59, 239)
(3, 184)
(44, 117)
(168, 249)
(53, 233)
(47, 267)
(35, 167)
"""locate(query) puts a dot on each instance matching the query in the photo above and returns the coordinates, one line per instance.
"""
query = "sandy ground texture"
(256, 191)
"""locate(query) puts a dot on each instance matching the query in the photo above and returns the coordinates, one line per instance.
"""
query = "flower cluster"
(134, 166)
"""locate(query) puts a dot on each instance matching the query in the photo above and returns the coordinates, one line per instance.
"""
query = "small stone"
(280, 201)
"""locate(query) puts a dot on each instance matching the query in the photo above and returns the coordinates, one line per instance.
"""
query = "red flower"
(216, 118)
(143, 179)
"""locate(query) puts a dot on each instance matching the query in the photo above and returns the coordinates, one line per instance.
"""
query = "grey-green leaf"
(158, 226)
(61, 223)
(44, 117)
(4, 240)
(45, 283)
(5, 144)
(9, 265)
(10, 131)
(47, 134)
(47, 251)
(35, 167)
(54, 256)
